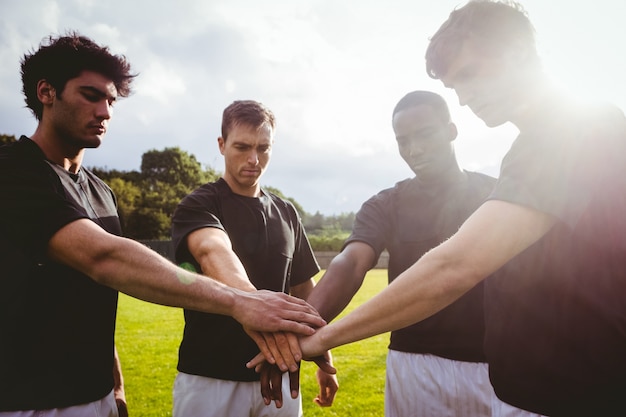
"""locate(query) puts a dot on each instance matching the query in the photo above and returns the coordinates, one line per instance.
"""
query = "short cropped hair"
(499, 24)
(59, 59)
(246, 112)
(428, 98)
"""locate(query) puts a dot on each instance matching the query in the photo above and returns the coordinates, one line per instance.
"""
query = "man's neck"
(253, 192)
(453, 175)
(536, 93)
(57, 152)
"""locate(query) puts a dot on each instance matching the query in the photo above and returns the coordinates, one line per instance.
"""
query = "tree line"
(147, 198)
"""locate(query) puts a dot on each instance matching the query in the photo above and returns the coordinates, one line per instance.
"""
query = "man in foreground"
(63, 260)
(247, 238)
(554, 229)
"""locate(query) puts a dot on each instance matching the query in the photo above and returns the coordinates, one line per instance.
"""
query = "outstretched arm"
(492, 236)
(342, 279)
(212, 248)
(132, 268)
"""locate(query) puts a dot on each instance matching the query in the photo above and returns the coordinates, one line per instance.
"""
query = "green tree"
(147, 198)
(174, 166)
(128, 196)
(148, 224)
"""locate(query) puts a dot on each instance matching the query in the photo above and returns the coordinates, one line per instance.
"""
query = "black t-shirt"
(269, 239)
(56, 324)
(410, 219)
(556, 314)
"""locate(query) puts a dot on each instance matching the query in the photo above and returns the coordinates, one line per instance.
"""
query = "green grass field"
(148, 336)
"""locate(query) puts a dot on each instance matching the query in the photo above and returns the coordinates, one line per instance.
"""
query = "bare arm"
(212, 248)
(493, 235)
(342, 279)
(132, 268)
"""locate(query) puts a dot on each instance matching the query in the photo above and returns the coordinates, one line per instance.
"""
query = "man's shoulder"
(480, 177)
(206, 191)
(9, 151)
(282, 203)
(398, 188)
(23, 159)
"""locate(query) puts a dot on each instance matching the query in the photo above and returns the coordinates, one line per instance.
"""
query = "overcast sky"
(331, 70)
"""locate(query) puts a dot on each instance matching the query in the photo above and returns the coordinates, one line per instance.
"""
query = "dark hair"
(499, 24)
(246, 112)
(428, 98)
(62, 58)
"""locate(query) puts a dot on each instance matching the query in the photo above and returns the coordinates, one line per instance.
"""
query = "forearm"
(132, 268)
(331, 295)
(493, 234)
(342, 280)
(212, 249)
(140, 272)
(425, 288)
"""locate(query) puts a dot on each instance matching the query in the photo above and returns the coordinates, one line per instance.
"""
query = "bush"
(326, 242)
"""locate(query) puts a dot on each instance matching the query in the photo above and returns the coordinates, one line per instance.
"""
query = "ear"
(222, 144)
(45, 92)
(452, 131)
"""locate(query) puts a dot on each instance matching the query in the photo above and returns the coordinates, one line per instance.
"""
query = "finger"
(294, 384)
(256, 362)
(289, 322)
(272, 341)
(265, 383)
(285, 343)
(324, 365)
(307, 318)
(294, 347)
(122, 409)
(277, 385)
(263, 347)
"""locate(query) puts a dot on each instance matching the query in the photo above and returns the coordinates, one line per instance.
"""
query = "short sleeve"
(34, 204)
(197, 210)
(372, 222)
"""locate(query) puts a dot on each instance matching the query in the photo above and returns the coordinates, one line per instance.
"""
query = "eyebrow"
(97, 91)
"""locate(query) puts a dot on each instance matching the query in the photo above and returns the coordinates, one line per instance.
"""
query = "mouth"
(250, 172)
(417, 165)
(98, 129)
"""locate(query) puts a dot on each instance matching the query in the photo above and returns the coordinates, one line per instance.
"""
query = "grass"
(148, 336)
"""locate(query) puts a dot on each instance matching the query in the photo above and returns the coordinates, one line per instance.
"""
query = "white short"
(427, 385)
(198, 396)
(104, 407)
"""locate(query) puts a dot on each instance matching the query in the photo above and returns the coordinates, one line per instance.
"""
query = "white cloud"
(331, 71)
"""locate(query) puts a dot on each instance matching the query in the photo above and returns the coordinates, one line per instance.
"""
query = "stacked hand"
(271, 373)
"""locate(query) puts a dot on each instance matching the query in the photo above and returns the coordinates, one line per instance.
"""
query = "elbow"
(459, 273)
(101, 263)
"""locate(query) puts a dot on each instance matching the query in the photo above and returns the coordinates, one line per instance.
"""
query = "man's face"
(486, 83)
(425, 141)
(80, 115)
(247, 152)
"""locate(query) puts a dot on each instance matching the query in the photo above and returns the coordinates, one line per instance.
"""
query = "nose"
(464, 93)
(104, 110)
(415, 148)
(253, 157)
